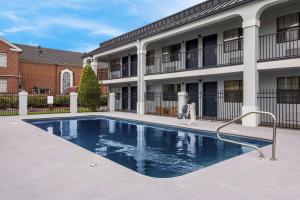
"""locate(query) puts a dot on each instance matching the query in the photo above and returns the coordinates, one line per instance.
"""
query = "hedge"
(39, 101)
(9, 102)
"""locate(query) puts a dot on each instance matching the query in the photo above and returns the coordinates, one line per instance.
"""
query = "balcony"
(279, 46)
(227, 54)
(117, 71)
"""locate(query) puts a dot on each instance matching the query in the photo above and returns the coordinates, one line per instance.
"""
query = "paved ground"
(34, 165)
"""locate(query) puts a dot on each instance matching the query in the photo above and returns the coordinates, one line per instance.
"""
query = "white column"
(112, 102)
(183, 55)
(94, 65)
(23, 97)
(181, 101)
(141, 82)
(250, 75)
(73, 102)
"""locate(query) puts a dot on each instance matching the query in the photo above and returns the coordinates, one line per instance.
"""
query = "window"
(150, 58)
(233, 91)
(3, 86)
(170, 92)
(233, 40)
(37, 90)
(66, 80)
(288, 28)
(288, 90)
(150, 95)
(171, 53)
(3, 60)
(115, 65)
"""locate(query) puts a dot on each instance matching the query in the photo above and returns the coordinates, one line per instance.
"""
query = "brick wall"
(43, 75)
(11, 72)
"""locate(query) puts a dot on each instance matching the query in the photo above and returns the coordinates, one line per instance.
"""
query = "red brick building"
(38, 69)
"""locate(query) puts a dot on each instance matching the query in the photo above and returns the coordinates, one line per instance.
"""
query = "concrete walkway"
(42, 166)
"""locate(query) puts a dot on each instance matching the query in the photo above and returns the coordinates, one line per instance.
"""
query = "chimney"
(40, 50)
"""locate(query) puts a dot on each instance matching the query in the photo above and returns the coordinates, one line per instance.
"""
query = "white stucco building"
(228, 56)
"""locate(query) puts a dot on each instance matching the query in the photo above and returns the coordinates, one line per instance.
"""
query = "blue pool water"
(149, 149)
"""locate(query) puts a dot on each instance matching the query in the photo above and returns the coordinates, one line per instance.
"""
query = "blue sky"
(79, 25)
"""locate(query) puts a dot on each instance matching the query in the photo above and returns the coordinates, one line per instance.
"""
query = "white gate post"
(181, 101)
(112, 102)
(23, 97)
(73, 102)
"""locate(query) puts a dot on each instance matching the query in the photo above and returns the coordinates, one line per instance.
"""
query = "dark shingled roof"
(199, 11)
(51, 56)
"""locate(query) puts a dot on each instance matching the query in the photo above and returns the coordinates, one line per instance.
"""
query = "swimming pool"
(149, 149)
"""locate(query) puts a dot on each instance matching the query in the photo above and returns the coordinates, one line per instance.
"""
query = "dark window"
(288, 90)
(171, 53)
(150, 58)
(150, 94)
(288, 28)
(115, 65)
(233, 91)
(169, 92)
(233, 40)
(37, 90)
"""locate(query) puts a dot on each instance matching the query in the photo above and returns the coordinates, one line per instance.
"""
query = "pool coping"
(154, 123)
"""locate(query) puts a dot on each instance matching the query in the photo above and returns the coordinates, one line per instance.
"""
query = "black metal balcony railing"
(281, 45)
(118, 71)
(229, 53)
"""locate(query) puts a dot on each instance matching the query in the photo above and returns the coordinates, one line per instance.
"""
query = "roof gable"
(13, 47)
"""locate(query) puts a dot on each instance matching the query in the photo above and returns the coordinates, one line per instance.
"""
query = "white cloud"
(10, 15)
(43, 24)
(2, 34)
(92, 27)
(18, 29)
(86, 47)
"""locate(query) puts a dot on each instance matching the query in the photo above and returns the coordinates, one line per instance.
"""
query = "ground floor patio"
(37, 165)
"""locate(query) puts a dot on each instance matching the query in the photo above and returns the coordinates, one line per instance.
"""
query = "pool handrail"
(249, 145)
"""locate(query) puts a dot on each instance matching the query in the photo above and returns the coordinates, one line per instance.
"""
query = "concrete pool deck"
(42, 166)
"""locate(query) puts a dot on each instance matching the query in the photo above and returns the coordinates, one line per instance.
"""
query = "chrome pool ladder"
(249, 145)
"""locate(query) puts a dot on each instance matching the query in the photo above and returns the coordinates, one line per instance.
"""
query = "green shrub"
(14, 102)
(4, 102)
(37, 101)
(61, 101)
(89, 89)
(9, 102)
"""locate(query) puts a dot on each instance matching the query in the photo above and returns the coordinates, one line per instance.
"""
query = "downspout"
(55, 86)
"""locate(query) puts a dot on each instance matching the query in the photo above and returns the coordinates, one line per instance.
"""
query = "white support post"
(112, 102)
(192, 114)
(141, 82)
(73, 102)
(23, 97)
(250, 75)
(94, 65)
(181, 101)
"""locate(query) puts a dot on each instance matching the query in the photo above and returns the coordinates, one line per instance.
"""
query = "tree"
(89, 89)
